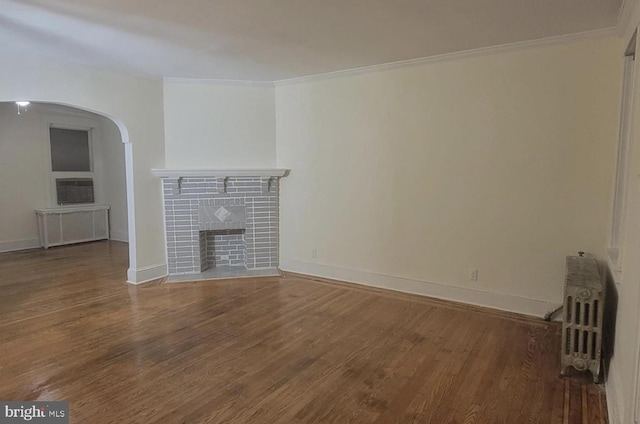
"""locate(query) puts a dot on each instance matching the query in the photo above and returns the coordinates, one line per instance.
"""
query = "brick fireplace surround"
(220, 223)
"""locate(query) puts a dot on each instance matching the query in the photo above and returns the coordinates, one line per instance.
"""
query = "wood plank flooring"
(268, 350)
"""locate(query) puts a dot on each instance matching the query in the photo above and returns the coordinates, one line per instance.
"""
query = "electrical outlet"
(473, 274)
(314, 253)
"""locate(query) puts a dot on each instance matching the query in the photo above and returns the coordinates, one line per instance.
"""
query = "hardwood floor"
(270, 350)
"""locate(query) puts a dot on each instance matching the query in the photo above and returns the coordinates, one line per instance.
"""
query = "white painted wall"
(137, 106)
(408, 178)
(27, 183)
(210, 125)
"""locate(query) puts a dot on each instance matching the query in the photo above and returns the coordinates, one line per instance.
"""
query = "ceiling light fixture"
(23, 105)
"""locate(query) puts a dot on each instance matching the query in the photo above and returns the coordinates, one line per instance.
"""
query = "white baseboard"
(122, 236)
(146, 274)
(10, 246)
(615, 400)
(504, 302)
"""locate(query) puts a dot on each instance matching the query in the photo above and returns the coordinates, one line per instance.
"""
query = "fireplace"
(221, 224)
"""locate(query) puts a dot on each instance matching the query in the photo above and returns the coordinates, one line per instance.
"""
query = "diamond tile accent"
(222, 214)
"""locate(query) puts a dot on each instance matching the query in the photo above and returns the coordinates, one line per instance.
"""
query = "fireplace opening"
(222, 248)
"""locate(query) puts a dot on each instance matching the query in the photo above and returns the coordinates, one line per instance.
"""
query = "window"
(72, 172)
(620, 188)
(70, 150)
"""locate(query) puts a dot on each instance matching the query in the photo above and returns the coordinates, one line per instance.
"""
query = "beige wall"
(211, 125)
(502, 163)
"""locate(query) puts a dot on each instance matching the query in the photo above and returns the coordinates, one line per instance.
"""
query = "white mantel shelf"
(218, 173)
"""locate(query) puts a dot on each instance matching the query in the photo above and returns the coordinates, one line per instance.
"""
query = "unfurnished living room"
(355, 211)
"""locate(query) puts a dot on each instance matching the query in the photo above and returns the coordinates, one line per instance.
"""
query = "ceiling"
(271, 40)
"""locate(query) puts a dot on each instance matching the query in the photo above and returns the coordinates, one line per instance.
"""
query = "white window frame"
(54, 175)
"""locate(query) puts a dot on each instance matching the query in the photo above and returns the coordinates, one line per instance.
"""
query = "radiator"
(583, 314)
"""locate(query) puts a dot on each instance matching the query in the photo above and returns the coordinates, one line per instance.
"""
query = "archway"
(111, 168)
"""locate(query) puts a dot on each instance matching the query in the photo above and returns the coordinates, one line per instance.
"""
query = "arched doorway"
(32, 165)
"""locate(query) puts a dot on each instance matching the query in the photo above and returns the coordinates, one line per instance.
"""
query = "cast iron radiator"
(583, 313)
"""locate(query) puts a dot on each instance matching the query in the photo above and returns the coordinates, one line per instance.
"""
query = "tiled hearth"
(221, 224)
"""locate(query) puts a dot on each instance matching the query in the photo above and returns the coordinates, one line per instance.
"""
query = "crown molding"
(221, 82)
(482, 51)
(623, 20)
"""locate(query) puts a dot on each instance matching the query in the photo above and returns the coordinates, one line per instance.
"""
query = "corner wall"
(410, 178)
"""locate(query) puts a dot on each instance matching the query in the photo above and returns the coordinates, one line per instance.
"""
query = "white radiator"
(72, 224)
(583, 314)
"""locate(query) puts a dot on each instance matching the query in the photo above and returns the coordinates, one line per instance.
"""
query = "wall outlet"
(314, 253)
(473, 274)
